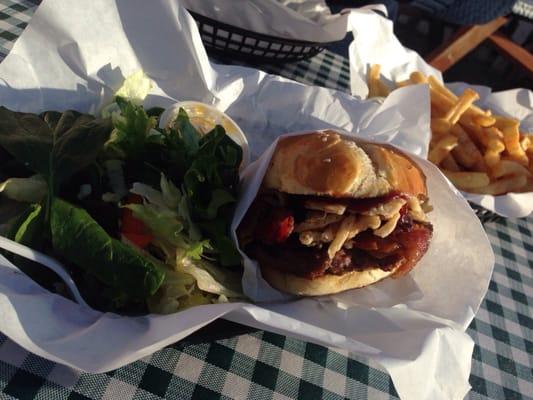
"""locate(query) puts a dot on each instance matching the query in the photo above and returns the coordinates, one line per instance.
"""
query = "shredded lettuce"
(163, 224)
(174, 291)
(133, 130)
(135, 88)
(204, 166)
(213, 279)
(149, 194)
(191, 279)
(182, 290)
(171, 194)
(165, 219)
(133, 126)
(170, 198)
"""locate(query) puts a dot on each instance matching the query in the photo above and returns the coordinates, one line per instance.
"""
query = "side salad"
(139, 215)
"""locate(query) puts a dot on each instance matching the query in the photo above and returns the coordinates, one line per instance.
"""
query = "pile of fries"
(479, 152)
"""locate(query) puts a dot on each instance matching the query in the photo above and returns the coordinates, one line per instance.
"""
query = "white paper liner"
(375, 43)
(451, 219)
(73, 55)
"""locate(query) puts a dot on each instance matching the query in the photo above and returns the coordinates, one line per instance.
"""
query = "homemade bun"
(402, 173)
(327, 164)
(325, 284)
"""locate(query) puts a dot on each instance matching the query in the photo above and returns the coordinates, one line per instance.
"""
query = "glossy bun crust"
(328, 164)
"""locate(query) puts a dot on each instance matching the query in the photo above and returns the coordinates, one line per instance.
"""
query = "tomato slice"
(133, 228)
(140, 241)
(276, 227)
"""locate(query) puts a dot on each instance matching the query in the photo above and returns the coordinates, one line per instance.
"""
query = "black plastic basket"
(226, 40)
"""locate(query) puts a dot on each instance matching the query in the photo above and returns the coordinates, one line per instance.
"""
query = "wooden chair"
(468, 38)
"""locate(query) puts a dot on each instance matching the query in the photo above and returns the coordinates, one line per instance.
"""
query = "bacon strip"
(401, 251)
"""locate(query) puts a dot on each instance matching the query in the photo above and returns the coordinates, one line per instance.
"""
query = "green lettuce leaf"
(55, 145)
(187, 132)
(168, 229)
(30, 227)
(28, 138)
(29, 190)
(217, 232)
(29, 230)
(169, 200)
(135, 87)
(78, 238)
(207, 168)
(134, 131)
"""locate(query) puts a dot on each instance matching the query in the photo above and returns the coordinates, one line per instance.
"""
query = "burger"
(335, 213)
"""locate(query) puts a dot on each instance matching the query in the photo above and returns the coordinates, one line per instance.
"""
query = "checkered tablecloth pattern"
(264, 365)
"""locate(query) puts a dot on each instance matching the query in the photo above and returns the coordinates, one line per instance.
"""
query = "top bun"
(326, 164)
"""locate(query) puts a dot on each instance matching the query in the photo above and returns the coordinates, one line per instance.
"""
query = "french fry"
(383, 89)
(437, 112)
(478, 151)
(468, 180)
(476, 132)
(503, 122)
(440, 126)
(463, 157)
(511, 139)
(440, 100)
(404, 83)
(450, 164)
(441, 103)
(526, 142)
(484, 120)
(372, 80)
(376, 87)
(463, 103)
(495, 147)
(466, 153)
(494, 133)
(504, 185)
(442, 148)
(443, 90)
(418, 78)
(442, 97)
(506, 168)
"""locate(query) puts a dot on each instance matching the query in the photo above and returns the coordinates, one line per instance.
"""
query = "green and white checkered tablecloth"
(264, 365)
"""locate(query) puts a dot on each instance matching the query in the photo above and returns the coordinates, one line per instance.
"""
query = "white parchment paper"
(73, 55)
(375, 43)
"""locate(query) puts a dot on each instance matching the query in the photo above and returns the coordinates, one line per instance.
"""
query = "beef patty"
(401, 250)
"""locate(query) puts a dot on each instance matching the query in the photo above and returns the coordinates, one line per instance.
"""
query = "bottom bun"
(325, 284)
